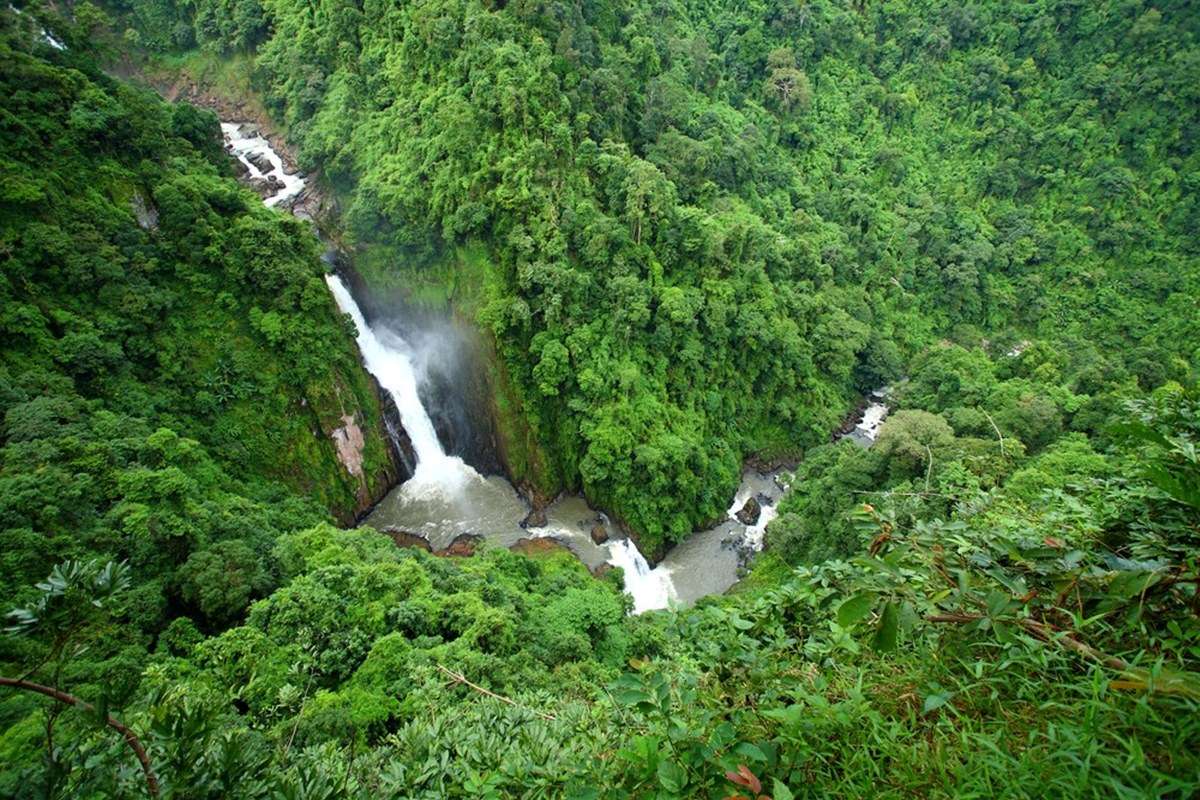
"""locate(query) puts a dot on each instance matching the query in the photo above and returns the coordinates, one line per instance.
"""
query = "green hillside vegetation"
(710, 223)
(695, 231)
(167, 387)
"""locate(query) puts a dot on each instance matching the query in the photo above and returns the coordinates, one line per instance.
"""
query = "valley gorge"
(599, 400)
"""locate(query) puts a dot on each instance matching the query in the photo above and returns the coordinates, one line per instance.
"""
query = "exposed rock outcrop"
(536, 518)
(748, 515)
(348, 439)
(261, 162)
(539, 546)
(411, 540)
(463, 546)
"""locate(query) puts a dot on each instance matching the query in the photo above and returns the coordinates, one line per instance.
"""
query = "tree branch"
(997, 430)
(458, 677)
(128, 735)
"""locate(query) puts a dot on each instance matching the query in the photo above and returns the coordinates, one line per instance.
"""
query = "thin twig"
(303, 699)
(458, 677)
(928, 468)
(130, 737)
(997, 430)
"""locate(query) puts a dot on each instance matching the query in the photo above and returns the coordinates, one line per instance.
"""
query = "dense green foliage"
(1039, 640)
(696, 230)
(708, 223)
(141, 359)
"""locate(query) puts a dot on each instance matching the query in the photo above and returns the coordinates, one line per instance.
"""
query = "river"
(446, 498)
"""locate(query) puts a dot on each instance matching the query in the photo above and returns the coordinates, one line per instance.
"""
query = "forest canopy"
(708, 225)
(695, 233)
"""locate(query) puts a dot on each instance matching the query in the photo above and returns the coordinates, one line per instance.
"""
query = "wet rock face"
(463, 546)
(599, 533)
(410, 540)
(749, 513)
(535, 519)
(261, 162)
(402, 448)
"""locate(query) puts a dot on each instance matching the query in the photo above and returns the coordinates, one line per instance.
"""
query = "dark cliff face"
(456, 392)
(403, 454)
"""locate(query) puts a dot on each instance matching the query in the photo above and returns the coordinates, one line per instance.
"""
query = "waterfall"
(389, 358)
(444, 490)
(650, 588)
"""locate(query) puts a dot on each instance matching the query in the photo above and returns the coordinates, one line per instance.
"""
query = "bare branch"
(997, 430)
(128, 735)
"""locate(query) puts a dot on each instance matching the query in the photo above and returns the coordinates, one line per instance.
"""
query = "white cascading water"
(242, 147)
(649, 588)
(387, 358)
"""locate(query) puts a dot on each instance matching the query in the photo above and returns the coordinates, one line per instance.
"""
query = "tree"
(786, 86)
(909, 441)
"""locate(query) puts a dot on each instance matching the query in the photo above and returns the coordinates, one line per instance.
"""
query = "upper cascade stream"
(262, 163)
(447, 498)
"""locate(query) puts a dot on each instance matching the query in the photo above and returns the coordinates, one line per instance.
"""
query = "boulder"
(750, 511)
(537, 546)
(406, 539)
(261, 186)
(261, 162)
(463, 546)
(599, 533)
(536, 518)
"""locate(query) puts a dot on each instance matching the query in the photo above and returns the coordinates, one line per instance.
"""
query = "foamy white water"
(649, 588)
(873, 418)
(243, 147)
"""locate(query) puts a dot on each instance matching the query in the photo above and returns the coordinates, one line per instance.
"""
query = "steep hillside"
(173, 370)
(707, 225)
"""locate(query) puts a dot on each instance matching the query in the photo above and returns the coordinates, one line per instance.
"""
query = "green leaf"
(855, 608)
(789, 716)
(935, 701)
(780, 791)
(632, 697)
(997, 603)
(671, 776)
(750, 751)
(888, 630)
